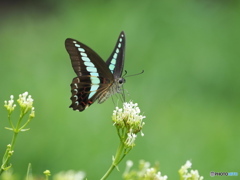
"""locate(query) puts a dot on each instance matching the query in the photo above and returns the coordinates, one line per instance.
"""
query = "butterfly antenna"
(133, 74)
(125, 73)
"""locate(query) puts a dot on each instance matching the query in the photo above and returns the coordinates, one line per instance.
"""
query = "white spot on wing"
(113, 61)
(95, 80)
(94, 87)
(75, 97)
(119, 45)
(83, 54)
(111, 67)
(91, 94)
(85, 59)
(93, 90)
(77, 45)
(88, 64)
(81, 49)
(94, 74)
(91, 69)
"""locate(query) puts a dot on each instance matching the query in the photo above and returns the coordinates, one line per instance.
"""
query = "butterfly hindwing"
(80, 94)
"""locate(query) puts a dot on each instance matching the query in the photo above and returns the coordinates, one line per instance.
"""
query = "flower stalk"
(128, 123)
(25, 102)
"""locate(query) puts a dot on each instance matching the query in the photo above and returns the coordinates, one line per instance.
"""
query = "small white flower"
(185, 167)
(70, 175)
(130, 139)
(129, 164)
(145, 171)
(26, 102)
(159, 177)
(151, 173)
(193, 174)
(9, 104)
(32, 114)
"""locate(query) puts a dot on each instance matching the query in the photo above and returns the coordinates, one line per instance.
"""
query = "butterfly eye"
(121, 81)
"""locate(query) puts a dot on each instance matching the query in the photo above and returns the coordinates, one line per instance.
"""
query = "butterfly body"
(96, 80)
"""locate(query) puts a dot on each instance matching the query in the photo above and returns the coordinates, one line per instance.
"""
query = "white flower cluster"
(129, 119)
(192, 175)
(26, 102)
(70, 175)
(9, 104)
(129, 115)
(152, 173)
(144, 172)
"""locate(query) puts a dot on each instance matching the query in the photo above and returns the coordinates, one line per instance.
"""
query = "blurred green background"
(190, 90)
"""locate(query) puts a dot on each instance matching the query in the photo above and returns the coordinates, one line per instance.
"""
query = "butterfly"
(96, 80)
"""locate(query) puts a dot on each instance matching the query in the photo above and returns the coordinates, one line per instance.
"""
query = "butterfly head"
(120, 81)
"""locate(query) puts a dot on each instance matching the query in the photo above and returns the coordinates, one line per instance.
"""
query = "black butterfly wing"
(78, 52)
(93, 75)
(116, 60)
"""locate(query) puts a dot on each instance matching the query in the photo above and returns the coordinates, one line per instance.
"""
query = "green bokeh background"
(190, 90)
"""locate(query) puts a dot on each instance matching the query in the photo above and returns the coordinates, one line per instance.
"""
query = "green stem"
(19, 122)
(7, 155)
(10, 122)
(26, 123)
(14, 139)
(118, 157)
(29, 172)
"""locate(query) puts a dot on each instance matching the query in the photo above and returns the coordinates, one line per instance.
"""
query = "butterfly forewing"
(115, 61)
(82, 57)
